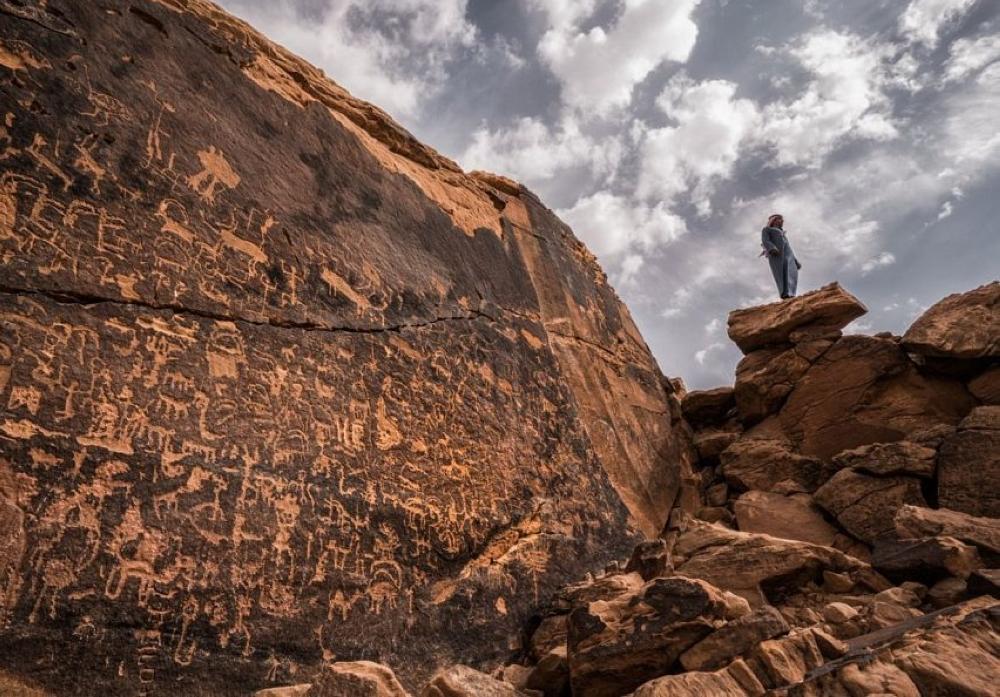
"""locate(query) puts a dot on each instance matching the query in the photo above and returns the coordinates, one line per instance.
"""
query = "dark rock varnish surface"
(279, 384)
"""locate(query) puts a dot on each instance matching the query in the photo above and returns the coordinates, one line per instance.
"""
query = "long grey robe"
(780, 256)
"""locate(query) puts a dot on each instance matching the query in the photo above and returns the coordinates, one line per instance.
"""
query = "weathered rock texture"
(830, 308)
(823, 477)
(964, 325)
(279, 382)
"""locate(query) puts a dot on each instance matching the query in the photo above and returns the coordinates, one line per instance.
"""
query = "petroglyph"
(215, 174)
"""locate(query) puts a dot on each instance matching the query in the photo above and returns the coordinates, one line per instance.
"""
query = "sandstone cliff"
(279, 383)
(848, 541)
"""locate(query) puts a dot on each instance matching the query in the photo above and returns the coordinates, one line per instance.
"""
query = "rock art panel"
(280, 385)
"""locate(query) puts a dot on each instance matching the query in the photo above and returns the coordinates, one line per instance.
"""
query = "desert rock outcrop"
(279, 381)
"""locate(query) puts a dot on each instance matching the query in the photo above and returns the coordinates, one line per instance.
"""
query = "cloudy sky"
(666, 131)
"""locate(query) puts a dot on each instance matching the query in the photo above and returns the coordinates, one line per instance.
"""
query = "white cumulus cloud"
(703, 146)
(970, 55)
(532, 151)
(612, 225)
(599, 68)
(391, 52)
(845, 98)
(923, 20)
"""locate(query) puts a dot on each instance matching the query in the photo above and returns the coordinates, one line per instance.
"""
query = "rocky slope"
(847, 541)
(279, 383)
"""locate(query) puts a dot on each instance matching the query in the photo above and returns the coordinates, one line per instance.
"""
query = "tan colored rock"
(787, 660)
(514, 674)
(650, 559)
(864, 505)
(953, 661)
(863, 390)
(616, 645)
(980, 531)
(880, 615)
(837, 583)
(926, 560)
(550, 635)
(287, 691)
(717, 495)
(716, 514)
(814, 334)
(602, 588)
(766, 465)
(356, 679)
(551, 675)
(903, 597)
(969, 465)
(838, 613)
(734, 639)
(462, 681)
(986, 386)
(768, 325)
(888, 459)
(708, 407)
(878, 678)
(732, 681)
(947, 592)
(744, 562)
(964, 325)
(830, 646)
(764, 379)
(710, 444)
(793, 517)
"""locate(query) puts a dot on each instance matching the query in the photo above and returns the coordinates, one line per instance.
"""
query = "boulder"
(839, 613)
(616, 645)
(356, 679)
(877, 678)
(830, 307)
(735, 680)
(764, 379)
(947, 592)
(830, 646)
(592, 590)
(863, 390)
(864, 505)
(752, 565)
(925, 560)
(793, 517)
(986, 386)
(960, 659)
(969, 465)
(550, 676)
(964, 325)
(548, 636)
(710, 444)
(284, 380)
(708, 407)
(887, 459)
(734, 639)
(462, 681)
(650, 559)
(787, 661)
(982, 532)
(769, 465)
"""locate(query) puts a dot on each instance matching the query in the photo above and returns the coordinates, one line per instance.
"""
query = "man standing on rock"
(784, 265)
